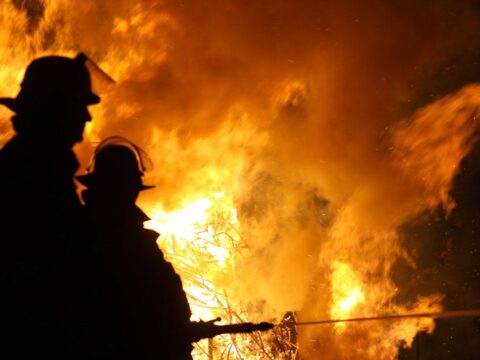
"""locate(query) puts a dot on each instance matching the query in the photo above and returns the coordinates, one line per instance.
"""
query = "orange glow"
(347, 292)
(204, 234)
(283, 170)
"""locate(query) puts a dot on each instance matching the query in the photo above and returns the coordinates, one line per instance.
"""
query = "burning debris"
(290, 145)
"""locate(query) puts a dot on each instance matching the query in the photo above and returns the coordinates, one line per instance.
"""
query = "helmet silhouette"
(50, 80)
(116, 161)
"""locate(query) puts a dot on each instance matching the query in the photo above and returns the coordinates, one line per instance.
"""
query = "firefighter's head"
(53, 99)
(116, 171)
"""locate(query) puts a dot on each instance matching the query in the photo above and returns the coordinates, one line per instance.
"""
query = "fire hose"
(208, 329)
(471, 313)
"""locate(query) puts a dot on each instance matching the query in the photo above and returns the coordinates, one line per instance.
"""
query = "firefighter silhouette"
(39, 209)
(137, 308)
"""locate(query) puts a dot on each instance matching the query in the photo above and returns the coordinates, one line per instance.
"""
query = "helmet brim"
(90, 180)
(15, 105)
(92, 99)
(10, 103)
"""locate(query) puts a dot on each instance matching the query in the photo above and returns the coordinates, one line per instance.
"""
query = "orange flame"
(271, 197)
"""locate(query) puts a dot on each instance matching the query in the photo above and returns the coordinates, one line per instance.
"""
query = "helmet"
(117, 160)
(52, 79)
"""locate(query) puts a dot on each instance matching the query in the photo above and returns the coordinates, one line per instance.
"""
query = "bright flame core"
(346, 291)
(205, 234)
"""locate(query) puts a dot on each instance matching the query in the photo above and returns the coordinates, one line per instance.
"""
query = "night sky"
(447, 246)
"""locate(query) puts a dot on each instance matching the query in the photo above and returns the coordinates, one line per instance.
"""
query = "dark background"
(447, 246)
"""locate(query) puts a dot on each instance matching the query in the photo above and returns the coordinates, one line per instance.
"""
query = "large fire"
(282, 172)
